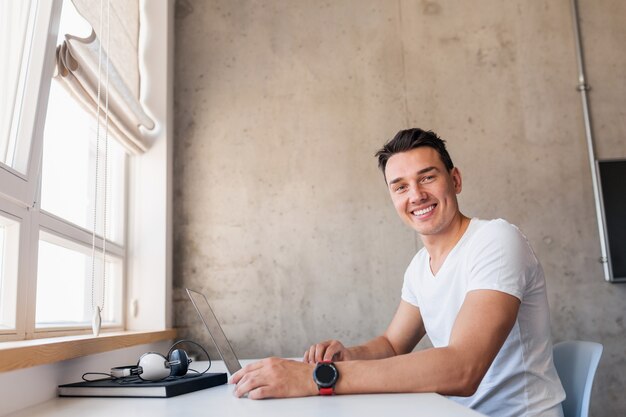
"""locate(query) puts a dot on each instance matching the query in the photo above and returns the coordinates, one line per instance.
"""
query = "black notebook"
(166, 388)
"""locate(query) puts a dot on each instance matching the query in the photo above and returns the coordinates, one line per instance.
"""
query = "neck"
(439, 245)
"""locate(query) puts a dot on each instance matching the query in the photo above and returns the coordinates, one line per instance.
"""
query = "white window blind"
(78, 69)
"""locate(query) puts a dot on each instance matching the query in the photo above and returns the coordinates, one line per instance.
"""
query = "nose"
(416, 194)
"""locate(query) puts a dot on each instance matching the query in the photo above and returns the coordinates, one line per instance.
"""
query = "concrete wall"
(281, 216)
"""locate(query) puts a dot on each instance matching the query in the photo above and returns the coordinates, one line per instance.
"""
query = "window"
(17, 21)
(47, 172)
(64, 269)
(69, 158)
(50, 277)
(63, 273)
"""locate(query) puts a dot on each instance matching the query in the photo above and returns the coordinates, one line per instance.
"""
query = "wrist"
(350, 353)
(313, 389)
(312, 386)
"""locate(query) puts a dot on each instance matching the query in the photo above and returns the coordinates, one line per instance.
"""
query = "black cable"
(84, 377)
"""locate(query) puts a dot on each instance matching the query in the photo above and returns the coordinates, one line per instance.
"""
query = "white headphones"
(153, 366)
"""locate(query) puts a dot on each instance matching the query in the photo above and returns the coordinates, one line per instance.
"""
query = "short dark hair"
(406, 140)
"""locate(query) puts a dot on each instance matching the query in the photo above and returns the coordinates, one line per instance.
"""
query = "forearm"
(377, 348)
(443, 370)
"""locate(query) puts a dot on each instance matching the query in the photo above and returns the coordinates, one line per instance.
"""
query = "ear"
(457, 180)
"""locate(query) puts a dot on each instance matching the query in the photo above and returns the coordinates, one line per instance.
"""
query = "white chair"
(576, 363)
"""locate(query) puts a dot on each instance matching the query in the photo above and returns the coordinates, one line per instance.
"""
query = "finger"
(319, 352)
(260, 393)
(330, 353)
(236, 377)
(312, 354)
(246, 384)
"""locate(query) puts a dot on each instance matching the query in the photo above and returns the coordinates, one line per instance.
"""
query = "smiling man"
(476, 289)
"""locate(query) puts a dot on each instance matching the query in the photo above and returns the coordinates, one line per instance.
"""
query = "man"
(477, 290)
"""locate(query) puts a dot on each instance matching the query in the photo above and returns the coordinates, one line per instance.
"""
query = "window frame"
(18, 193)
(148, 201)
(22, 187)
(20, 214)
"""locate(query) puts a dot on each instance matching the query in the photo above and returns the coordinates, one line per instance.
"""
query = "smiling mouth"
(423, 211)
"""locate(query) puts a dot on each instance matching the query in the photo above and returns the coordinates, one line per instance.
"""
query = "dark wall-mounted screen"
(613, 180)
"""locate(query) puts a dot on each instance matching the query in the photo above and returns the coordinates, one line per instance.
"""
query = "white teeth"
(423, 211)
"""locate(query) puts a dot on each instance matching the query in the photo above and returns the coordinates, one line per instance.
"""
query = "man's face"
(423, 191)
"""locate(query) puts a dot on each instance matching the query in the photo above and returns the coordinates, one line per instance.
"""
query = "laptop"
(207, 316)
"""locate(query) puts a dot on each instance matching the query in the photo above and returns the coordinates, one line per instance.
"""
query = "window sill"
(27, 353)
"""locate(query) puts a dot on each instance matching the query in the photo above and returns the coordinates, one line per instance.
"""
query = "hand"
(330, 350)
(274, 378)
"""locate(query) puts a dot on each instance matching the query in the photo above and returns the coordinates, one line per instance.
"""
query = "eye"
(400, 188)
(427, 179)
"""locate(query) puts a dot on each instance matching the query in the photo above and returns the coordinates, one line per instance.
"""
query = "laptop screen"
(224, 348)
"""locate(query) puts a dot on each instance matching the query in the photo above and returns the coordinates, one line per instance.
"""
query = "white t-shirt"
(494, 255)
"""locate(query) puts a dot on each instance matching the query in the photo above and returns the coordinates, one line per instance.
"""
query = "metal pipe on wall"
(583, 87)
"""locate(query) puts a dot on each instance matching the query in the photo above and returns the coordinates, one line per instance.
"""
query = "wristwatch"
(325, 376)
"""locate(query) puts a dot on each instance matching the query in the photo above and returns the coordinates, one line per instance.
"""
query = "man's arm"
(482, 325)
(403, 334)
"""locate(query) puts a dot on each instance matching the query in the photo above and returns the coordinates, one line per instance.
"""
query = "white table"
(219, 401)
